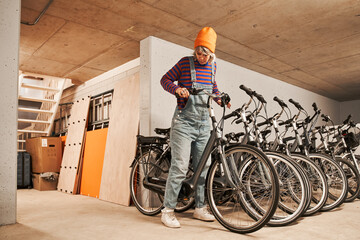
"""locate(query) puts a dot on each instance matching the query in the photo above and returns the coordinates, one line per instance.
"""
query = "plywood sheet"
(121, 141)
(94, 152)
(73, 146)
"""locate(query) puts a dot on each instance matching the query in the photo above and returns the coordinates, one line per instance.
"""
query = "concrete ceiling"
(313, 44)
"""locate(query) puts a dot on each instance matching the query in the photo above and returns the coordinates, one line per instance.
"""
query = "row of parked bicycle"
(271, 172)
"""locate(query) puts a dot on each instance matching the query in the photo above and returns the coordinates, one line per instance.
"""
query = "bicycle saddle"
(162, 131)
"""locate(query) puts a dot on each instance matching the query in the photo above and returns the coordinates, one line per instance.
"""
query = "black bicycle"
(155, 150)
(241, 179)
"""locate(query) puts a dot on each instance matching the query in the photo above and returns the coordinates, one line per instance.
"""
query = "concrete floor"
(55, 215)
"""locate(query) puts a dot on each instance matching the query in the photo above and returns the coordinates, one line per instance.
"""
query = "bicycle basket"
(352, 138)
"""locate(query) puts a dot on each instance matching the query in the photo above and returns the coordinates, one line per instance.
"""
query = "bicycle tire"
(295, 194)
(161, 172)
(230, 213)
(357, 159)
(148, 202)
(336, 177)
(353, 179)
(319, 185)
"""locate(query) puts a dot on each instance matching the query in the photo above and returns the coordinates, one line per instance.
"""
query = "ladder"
(39, 97)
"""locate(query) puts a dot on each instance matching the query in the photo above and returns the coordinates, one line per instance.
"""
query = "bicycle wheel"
(353, 179)
(318, 182)
(257, 178)
(148, 166)
(336, 179)
(295, 192)
(357, 159)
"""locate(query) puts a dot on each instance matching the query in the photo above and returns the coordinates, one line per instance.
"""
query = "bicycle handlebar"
(267, 121)
(259, 97)
(315, 107)
(347, 119)
(281, 102)
(248, 117)
(235, 113)
(325, 118)
(224, 96)
(286, 122)
(247, 90)
(296, 104)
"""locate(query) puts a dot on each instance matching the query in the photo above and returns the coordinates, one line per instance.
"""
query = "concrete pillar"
(9, 65)
(157, 106)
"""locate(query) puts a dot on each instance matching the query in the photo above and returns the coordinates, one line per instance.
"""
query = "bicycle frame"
(215, 139)
(214, 143)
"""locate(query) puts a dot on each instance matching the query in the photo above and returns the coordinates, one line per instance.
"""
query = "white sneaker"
(203, 214)
(168, 218)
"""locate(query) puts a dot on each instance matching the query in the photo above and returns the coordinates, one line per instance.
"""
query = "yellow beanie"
(206, 38)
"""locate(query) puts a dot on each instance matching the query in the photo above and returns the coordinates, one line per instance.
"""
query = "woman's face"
(203, 58)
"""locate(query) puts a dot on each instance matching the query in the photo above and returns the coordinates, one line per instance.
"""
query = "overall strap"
(192, 69)
(212, 72)
(193, 72)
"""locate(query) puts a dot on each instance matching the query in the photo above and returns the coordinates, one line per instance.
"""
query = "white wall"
(353, 108)
(9, 65)
(158, 56)
(350, 107)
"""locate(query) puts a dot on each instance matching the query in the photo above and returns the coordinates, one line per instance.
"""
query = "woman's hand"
(182, 92)
(228, 105)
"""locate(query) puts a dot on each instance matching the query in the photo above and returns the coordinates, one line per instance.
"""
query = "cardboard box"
(45, 183)
(46, 153)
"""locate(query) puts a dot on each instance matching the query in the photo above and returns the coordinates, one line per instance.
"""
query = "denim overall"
(190, 131)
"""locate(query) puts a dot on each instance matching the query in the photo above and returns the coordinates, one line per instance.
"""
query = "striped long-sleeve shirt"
(181, 73)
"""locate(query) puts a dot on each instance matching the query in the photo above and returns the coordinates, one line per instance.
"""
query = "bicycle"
(336, 178)
(341, 149)
(157, 151)
(239, 175)
(317, 179)
(294, 184)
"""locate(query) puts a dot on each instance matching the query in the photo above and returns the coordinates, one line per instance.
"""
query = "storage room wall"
(350, 107)
(353, 108)
(157, 106)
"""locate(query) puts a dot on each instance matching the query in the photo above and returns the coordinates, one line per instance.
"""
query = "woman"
(190, 128)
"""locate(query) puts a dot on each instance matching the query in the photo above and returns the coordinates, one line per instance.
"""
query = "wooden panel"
(94, 152)
(73, 146)
(121, 141)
